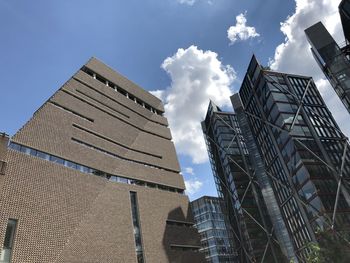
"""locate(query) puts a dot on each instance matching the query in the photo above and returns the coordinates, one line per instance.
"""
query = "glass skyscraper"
(344, 12)
(333, 58)
(211, 220)
(303, 152)
(238, 187)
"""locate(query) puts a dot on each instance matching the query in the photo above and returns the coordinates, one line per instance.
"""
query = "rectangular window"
(10, 233)
(9, 241)
(137, 227)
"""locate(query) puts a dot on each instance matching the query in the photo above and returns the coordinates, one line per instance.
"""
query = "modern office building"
(214, 228)
(304, 154)
(344, 12)
(93, 177)
(237, 186)
(333, 59)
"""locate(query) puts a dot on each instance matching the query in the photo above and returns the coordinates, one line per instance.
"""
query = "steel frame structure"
(332, 60)
(338, 168)
(228, 190)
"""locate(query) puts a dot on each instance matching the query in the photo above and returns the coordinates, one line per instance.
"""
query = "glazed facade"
(344, 12)
(214, 228)
(303, 151)
(238, 187)
(333, 57)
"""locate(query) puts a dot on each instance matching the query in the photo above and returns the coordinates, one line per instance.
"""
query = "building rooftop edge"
(94, 62)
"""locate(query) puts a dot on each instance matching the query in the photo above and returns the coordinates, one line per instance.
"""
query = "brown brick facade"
(66, 215)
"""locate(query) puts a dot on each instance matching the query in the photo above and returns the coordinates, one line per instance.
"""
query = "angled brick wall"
(66, 215)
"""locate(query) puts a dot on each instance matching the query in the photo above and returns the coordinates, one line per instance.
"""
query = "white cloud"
(158, 93)
(193, 186)
(241, 31)
(192, 2)
(294, 55)
(189, 170)
(196, 76)
(333, 102)
(187, 2)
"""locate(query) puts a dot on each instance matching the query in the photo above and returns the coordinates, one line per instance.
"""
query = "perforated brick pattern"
(68, 216)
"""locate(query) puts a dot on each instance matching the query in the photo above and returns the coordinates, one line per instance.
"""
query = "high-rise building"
(333, 59)
(344, 12)
(305, 155)
(238, 187)
(214, 228)
(93, 177)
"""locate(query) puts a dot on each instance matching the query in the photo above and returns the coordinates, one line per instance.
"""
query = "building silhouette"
(214, 228)
(93, 177)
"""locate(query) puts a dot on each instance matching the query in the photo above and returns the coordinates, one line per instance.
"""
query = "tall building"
(333, 59)
(214, 228)
(304, 154)
(238, 187)
(344, 12)
(93, 177)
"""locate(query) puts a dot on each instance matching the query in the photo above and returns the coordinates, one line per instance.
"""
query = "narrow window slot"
(137, 227)
(10, 233)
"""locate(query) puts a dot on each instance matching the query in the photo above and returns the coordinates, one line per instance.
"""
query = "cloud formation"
(196, 76)
(187, 2)
(192, 2)
(193, 186)
(241, 31)
(189, 170)
(294, 55)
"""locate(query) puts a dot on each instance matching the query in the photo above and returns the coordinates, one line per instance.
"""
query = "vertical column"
(273, 208)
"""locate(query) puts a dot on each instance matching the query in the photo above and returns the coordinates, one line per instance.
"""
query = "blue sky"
(179, 48)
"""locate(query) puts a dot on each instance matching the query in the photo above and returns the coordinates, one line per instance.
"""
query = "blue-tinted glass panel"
(123, 180)
(33, 152)
(70, 164)
(56, 159)
(42, 155)
(14, 146)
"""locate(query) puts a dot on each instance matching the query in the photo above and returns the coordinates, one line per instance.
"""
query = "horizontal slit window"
(71, 111)
(118, 89)
(114, 142)
(113, 115)
(82, 168)
(119, 157)
(100, 79)
(185, 248)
